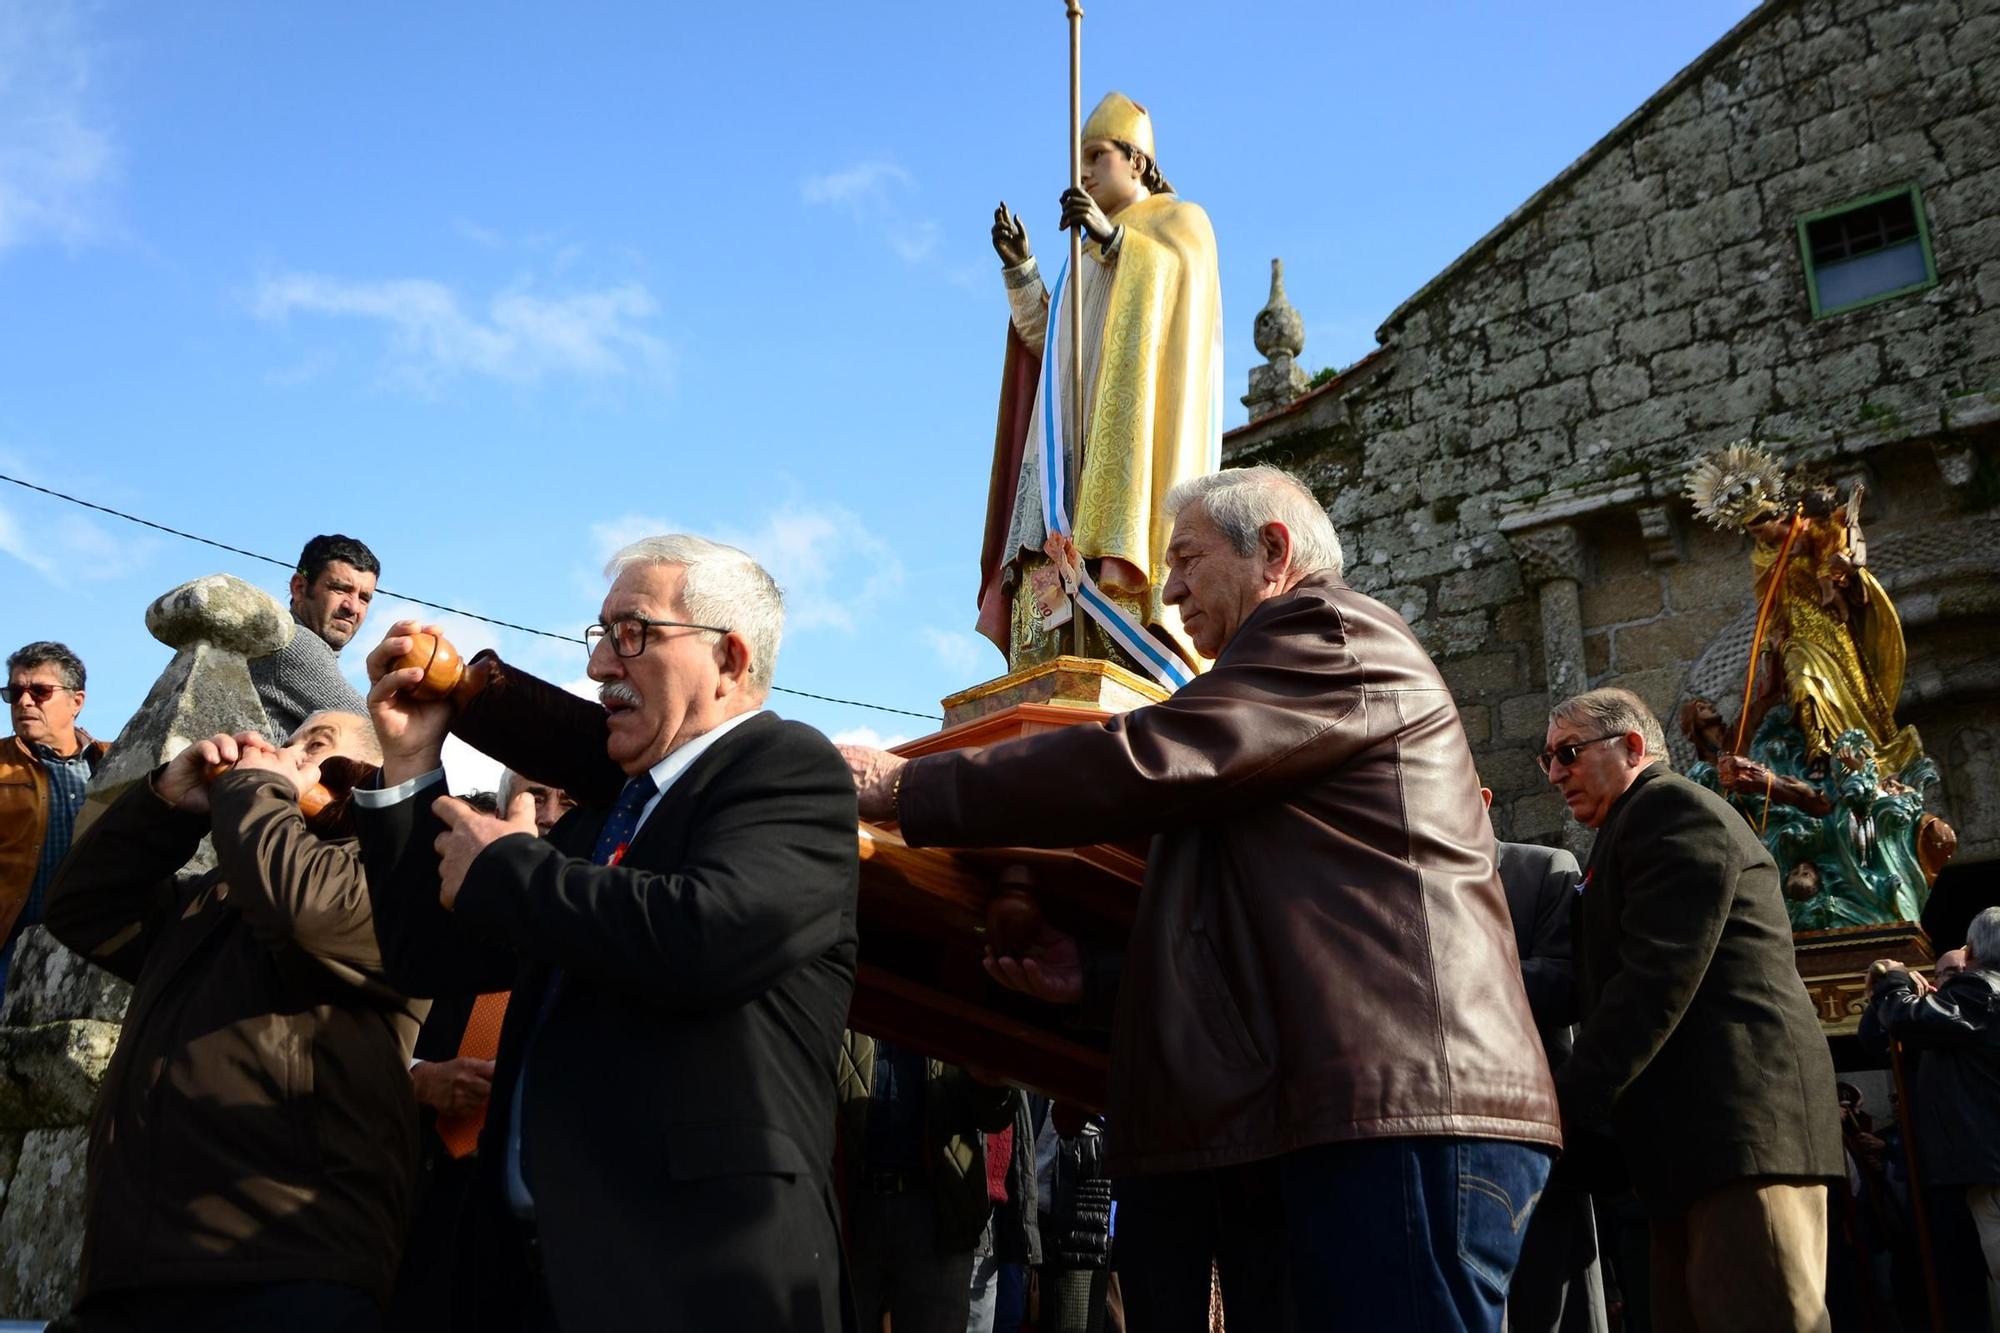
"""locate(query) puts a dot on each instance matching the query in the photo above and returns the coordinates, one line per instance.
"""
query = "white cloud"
(57, 158)
(486, 238)
(16, 542)
(583, 687)
(834, 572)
(863, 185)
(914, 242)
(958, 649)
(67, 548)
(312, 366)
(869, 737)
(520, 336)
(876, 195)
(467, 770)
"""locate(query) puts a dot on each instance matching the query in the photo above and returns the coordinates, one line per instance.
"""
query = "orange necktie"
(480, 1042)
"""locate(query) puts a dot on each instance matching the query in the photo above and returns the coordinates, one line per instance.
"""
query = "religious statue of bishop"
(1151, 414)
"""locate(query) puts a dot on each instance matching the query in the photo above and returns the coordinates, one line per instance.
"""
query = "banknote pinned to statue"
(1815, 758)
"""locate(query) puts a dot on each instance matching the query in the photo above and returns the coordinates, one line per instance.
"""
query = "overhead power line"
(407, 597)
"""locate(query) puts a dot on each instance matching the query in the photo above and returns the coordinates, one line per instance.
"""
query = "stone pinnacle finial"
(1280, 336)
(1279, 326)
(214, 624)
(222, 610)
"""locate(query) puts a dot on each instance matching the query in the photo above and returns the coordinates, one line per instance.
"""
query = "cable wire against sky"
(403, 596)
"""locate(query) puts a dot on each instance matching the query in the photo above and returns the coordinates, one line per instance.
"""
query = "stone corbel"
(1657, 526)
(1957, 467)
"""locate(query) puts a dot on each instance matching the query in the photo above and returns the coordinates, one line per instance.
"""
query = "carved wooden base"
(924, 911)
(1068, 682)
(1835, 963)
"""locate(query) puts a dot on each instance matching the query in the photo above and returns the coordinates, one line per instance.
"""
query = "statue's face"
(1110, 177)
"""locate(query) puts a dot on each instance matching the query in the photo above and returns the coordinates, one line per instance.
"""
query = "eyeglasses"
(628, 633)
(40, 691)
(1568, 753)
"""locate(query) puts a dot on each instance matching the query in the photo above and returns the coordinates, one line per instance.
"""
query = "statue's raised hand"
(1010, 238)
(1080, 210)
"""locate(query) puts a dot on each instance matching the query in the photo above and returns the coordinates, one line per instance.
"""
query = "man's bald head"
(331, 732)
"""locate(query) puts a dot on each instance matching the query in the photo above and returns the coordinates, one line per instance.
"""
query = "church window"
(1865, 251)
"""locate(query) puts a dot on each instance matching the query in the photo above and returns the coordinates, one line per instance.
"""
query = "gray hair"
(1242, 500)
(47, 652)
(721, 586)
(1613, 712)
(359, 726)
(1982, 938)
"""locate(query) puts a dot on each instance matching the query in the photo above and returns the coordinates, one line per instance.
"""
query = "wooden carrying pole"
(1907, 1109)
(1074, 463)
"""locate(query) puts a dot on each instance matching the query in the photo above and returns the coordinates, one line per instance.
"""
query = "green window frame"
(1923, 238)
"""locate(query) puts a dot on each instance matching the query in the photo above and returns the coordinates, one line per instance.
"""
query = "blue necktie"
(612, 840)
(624, 819)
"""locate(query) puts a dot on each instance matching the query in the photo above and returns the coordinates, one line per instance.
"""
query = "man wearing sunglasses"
(44, 767)
(1700, 1052)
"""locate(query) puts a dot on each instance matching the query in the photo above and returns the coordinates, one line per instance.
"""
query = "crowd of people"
(574, 1055)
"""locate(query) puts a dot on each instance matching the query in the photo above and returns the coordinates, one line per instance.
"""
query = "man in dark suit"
(680, 955)
(1700, 1049)
(1557, 1286)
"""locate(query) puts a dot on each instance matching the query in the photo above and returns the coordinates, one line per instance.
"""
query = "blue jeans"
(1383, 1233)
(1463, 1206)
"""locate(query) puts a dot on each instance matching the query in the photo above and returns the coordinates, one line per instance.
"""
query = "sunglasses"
(1566, 754)
(41, 691)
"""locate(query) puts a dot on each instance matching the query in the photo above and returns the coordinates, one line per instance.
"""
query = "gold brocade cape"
(1155, 416)
(1838, 677)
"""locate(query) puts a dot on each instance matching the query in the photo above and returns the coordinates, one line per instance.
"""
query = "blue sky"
(494, 287)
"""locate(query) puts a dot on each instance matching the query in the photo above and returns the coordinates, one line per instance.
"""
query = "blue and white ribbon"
(1160, 662)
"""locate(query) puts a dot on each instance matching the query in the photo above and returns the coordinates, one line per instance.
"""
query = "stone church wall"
(1526, 426)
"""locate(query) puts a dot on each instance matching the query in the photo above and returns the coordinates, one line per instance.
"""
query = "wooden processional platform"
(1834, 965)
(923, 911)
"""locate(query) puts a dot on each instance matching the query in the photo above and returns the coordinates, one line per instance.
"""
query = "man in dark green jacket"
(1700, 1050)
(913, 1166)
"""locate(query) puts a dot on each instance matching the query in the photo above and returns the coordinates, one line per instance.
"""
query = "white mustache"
(617, 691)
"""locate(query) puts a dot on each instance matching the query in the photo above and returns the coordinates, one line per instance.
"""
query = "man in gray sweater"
(331, 590)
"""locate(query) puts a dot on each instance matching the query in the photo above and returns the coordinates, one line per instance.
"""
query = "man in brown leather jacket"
(1324, 1071)
(255, 1139)
(44, 768)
